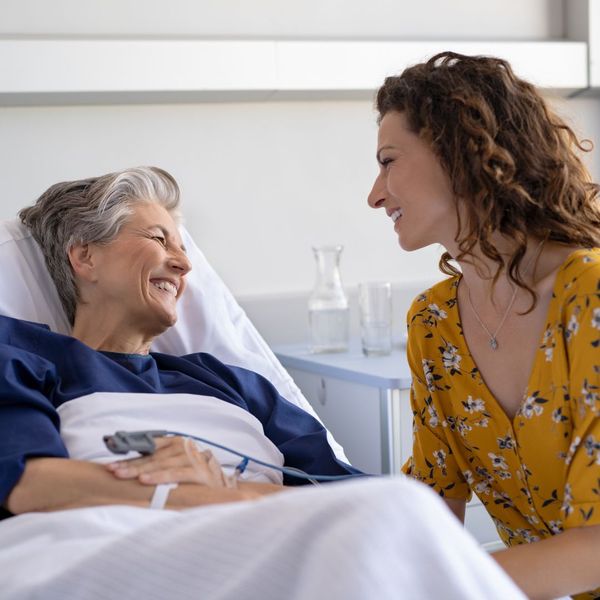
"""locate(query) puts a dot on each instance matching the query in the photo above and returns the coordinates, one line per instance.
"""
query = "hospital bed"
(379, 539)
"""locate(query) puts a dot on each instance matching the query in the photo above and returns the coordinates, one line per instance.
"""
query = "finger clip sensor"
(123, 442)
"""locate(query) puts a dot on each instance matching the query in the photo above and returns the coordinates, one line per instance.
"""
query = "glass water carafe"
(328, 313)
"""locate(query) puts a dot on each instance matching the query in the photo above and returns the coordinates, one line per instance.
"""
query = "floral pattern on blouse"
(538, 473)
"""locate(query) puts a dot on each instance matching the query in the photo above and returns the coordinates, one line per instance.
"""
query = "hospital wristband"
(161, 494)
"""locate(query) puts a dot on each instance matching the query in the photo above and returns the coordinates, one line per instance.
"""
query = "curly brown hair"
(512, 162)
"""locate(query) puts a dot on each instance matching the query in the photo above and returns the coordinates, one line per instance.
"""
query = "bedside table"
(365, 403)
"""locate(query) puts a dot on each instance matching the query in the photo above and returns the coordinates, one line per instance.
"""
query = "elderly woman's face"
(412, 186)
(141, 273)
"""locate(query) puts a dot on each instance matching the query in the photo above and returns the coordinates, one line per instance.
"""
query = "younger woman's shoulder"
(439, 297)
(580, 273)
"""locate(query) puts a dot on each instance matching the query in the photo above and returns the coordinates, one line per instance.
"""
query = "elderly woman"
(113, 249)
(505, 354)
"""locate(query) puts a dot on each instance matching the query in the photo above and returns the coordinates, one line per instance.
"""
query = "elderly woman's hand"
(176, 460)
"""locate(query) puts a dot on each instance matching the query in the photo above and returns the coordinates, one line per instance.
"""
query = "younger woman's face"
(413, 187)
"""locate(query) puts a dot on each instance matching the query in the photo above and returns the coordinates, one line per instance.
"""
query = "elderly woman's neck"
(108, 335)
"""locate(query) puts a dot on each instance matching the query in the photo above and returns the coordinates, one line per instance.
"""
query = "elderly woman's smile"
(167, 286)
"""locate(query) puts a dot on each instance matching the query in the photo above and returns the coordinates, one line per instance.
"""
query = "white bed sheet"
(378, 538)
(84, 421)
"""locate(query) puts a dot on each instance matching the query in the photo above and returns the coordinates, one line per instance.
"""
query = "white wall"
(261, 182)
(372, 19)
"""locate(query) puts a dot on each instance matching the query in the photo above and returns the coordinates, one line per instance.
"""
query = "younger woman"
(505, 353)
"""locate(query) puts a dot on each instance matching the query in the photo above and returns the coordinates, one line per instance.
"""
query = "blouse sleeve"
(29, 423)
(581, 504)
(432, 460)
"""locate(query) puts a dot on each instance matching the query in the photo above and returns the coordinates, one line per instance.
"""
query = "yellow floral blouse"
(539, 473)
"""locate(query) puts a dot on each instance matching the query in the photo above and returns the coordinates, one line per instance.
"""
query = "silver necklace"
(494, 336)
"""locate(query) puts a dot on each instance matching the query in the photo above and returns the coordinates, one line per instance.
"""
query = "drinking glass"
(375, 305)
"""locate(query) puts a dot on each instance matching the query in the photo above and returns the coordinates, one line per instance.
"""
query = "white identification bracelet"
(161, 494)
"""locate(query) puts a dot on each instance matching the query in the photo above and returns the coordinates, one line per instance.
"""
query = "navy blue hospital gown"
(40, 370)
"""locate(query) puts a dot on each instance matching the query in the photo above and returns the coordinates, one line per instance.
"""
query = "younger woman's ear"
(82, 261)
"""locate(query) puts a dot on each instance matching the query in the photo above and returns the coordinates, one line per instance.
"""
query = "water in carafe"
(328, 312)
(329, 329)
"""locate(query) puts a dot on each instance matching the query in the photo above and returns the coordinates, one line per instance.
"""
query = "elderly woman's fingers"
(177, 460)
(206, 464)
(209, 474)
(132, 471)
(174, 475)
(165, 447)
(187, 454)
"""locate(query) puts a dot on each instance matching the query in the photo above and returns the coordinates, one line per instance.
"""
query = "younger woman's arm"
(565, 564)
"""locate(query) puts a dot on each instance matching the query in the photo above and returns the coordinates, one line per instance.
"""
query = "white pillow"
(210, 320)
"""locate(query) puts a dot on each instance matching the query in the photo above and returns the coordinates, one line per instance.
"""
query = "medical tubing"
(290, 471)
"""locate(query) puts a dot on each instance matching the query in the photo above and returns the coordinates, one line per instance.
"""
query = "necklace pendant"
(493, 343)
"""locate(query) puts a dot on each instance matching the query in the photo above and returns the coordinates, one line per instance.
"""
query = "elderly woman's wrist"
(190, 495)
(257, 490)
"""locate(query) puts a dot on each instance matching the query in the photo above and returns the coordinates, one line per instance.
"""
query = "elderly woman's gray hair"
(92, 211)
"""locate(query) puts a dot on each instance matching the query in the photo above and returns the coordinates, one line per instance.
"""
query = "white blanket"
(363, 540)
(85, 420)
